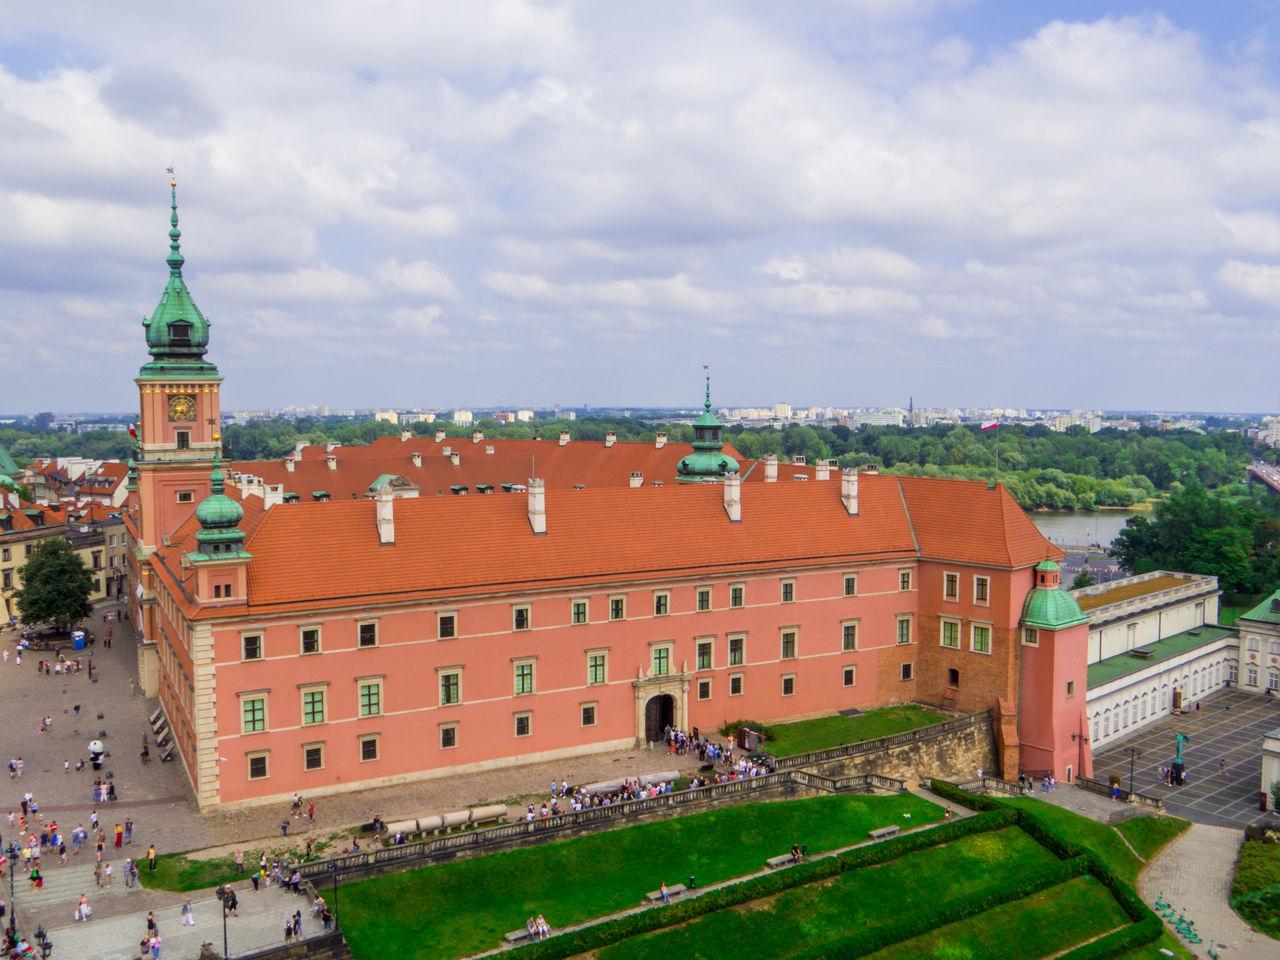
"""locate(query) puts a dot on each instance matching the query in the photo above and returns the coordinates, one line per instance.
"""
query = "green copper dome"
(177, 332)
(708, 459)
(218, 514)
(1051, 607)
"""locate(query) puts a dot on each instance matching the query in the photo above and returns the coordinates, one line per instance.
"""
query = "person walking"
(151, 857)
(188, 918)
(119, 836)
(83, 910)
(128, 830)
(106, 874)
(97, 873)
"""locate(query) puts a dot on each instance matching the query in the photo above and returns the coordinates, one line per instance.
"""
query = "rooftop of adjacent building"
(1268, 611)
(1132, 595)
(1150, 654)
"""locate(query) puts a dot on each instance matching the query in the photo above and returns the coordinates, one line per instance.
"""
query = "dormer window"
(180, 333)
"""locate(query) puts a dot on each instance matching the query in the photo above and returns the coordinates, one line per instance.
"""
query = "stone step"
(65, 883)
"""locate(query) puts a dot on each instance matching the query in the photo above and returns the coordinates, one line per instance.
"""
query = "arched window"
(1144, 706)
(1096, 726)
(1164, 698)
(1106, 722)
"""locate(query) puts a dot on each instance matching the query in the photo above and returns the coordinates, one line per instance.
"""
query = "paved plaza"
(1223, 759)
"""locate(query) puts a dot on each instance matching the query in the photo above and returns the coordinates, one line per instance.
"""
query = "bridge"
(1265, 473)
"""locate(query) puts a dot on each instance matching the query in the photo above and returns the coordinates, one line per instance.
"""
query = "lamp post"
(45, 944)
(333, 868)
(13, 907)
(226, 954)
(1134, 753)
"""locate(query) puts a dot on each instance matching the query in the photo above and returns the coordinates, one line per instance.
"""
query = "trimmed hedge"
(949, 791)
(681, 911)
(904, 928)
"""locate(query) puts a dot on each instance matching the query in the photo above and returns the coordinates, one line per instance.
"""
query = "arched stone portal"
(659, 713)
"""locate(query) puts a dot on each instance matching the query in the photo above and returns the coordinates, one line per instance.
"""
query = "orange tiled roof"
(513, 461)
(308, 553)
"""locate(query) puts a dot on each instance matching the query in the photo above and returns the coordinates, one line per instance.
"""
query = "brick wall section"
(983, 677)
(955, 756)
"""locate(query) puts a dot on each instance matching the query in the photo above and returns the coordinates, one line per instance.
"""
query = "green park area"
(789, 739)
(1255, 892)
(1021, 871)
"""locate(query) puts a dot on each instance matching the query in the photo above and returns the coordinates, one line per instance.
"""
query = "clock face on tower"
(182, 408)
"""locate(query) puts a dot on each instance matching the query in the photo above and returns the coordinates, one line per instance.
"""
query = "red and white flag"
(990, 424)
(133, 431)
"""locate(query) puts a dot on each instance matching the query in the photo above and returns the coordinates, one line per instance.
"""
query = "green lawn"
(451, 910)
(1152, 950)
(1148, 834)
(1042, 924)
(805, 917)
(1255, 891)
(1089, 834)
(175, 872)
(788, 739)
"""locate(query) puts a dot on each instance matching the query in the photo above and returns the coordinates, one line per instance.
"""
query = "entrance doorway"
(659, 713)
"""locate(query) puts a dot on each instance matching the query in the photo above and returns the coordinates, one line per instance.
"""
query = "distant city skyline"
(404, 206)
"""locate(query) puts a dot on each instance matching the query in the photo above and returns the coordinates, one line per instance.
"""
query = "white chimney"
(537, 506)
(298, 447)
(477, 436)
(272, 495)
(440, 435)
(416, 458)
(770, 468)
(405, 435)
(660, 441)
(564, 437)
(489, 449)
(823, 470)
(798, 460)
(610, 439)
(455, 459)
(637, 478)
(331, 446)
(332, 461)
(733, 497)
(386, 520)
(849, 490)
(288, 464)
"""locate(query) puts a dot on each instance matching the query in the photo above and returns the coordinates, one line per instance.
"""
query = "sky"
(415, 204)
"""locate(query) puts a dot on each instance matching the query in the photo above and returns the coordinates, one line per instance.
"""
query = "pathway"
(1194, 871)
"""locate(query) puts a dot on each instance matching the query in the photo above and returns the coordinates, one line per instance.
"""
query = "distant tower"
(708, 460)
(911, 410)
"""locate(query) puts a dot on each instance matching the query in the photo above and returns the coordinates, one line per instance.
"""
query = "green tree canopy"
(55, 586)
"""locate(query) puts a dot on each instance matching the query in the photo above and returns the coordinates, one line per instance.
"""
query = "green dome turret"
(177, 332)
(1048, 606)
(708, 460)
(219, 535)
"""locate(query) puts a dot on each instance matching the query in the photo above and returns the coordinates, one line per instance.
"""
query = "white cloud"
(424, 321)
(421, 277)
(1253, 281)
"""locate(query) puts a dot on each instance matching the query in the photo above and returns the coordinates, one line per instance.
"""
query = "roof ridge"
(907, 510)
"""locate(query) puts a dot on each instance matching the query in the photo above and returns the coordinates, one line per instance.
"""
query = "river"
(1066, 527)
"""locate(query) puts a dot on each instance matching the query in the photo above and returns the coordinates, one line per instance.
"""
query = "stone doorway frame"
(674, 685)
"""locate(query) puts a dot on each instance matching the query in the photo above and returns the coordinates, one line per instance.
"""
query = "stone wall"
(326, 946)
(956, 756)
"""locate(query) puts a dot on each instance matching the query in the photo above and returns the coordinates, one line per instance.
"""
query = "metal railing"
(1106, 790)
(882, 743)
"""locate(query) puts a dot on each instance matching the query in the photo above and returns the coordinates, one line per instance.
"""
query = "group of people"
(538, 928)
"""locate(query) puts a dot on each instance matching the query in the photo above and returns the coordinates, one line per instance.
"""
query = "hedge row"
(1015, 887)
(681, 911)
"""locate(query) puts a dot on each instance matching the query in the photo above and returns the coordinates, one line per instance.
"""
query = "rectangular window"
(579, 611)
(450, 688)
(446, 625)
(1071, 690)
(661, 661)
(310, 639)
(1031, 636)
(951, 586)
(904, 579)
(1251, 676)
(737, 651)
(368, 749)
(788, 644)
(313, 756)
(312, 706)
(367, 633)
(704, 598)
(736, 595)
(617, 608)
(851, 675)
(904, 629)
(735, 684)
(980, 641)
(524, 724)
(186, 496)
(951, 634)
(789, 685)
(788, 591)
(704, 689)
(849, 637)
(448, 736)
(8, 579)
(370, 698)
(1233, 673)
(523, 677)
(254, 714)
(705, 650)
(982, 590)
(258, 769)
(251, 644)
(850, 585)
(4, 554)
(595, 668)
(184, 439)
(661, 604)
(906, 671)
(520, 618)
(588, 714)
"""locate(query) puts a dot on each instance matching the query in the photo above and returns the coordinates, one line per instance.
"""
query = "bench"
(881, 833)
(673, 891)
(515, 936)
(783, 860)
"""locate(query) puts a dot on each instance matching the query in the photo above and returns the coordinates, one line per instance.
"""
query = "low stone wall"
(324, 946)
(955, 750)
(1104, 790)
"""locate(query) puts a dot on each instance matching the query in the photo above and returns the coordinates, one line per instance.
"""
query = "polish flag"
(990, 424)
(133, 431)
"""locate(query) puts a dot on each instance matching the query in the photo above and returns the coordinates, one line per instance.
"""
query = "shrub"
(974, 801)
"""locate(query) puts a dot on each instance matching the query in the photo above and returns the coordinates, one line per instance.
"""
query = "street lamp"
(1134, 753)
(226, 954)
(46, 945)
(13, 907)
(333, 868)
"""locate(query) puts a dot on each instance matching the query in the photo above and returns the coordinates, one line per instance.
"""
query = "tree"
(1083, 579)
(55, 586)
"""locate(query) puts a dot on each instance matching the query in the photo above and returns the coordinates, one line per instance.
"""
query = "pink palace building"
(354, 617)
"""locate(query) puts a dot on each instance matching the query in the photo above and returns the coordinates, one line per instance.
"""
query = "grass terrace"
(452, 910)
(789, 739)
(1255, 891)
(1148, 835)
